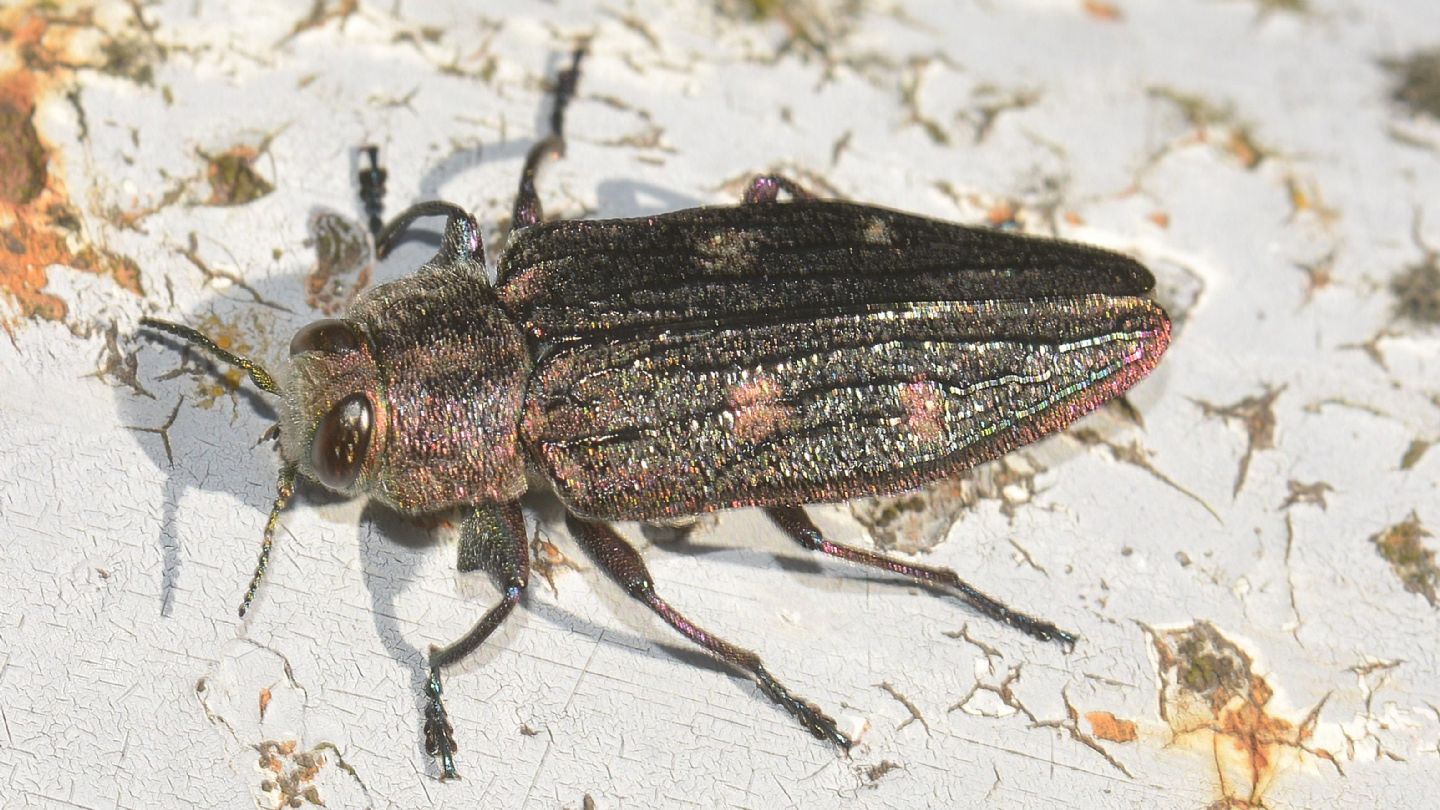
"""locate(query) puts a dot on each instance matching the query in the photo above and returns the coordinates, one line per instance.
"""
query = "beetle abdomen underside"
(823, 408)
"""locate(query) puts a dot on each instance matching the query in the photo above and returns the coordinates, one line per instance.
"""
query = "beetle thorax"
(451, 370)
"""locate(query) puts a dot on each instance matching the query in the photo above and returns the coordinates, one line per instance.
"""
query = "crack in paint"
(1256, 415)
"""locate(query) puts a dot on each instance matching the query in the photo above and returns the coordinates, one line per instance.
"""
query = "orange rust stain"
(1001, 213)
(293, 784)
(758, 411)
(1214, 699)
(1160, 218)
(39, 226)
(1101, 10)
(1107, 726)
(264, 702)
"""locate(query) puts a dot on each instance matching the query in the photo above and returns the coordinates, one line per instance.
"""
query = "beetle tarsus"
(795, 523)
(766, 188)
(372, 188)
(624, 564)
(439, 734)
(492, 539)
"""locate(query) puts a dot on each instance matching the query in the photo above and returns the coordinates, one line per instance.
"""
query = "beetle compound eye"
(330, 335)
(341, 442)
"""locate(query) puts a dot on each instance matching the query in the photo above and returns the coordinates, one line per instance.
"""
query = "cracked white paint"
(120, 571)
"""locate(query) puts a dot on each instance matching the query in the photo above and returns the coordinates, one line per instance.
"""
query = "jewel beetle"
(768, 354)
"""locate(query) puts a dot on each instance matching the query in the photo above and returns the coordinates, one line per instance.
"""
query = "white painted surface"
(120, 571)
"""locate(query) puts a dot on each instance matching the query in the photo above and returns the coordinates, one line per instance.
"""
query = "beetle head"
(333, 418)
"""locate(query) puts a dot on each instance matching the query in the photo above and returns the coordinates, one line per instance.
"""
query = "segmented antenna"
(258, 375)
(285, 488)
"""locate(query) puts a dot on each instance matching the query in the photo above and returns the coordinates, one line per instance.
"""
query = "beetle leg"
(527, 201)
(624, 565)
(766, 188)
(795, 523)
(492, 538)
(372, 188)
(461, 239)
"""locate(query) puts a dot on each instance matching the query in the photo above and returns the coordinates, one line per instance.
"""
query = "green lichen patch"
(233, 178)
(1400, 546)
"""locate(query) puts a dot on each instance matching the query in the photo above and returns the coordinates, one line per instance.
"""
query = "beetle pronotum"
(769, 354)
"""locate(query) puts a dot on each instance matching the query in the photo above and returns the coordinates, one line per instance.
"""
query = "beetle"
(769, 354)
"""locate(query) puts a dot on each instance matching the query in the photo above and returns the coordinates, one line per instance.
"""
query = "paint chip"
(1107, 726)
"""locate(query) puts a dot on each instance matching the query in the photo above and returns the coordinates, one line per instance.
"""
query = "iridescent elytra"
(768, 354)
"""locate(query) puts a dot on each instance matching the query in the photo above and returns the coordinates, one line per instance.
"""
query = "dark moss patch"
(233, 178)
(1417, 292)
(22, 156)
(1418, 81)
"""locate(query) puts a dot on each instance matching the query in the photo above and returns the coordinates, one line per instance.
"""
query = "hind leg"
(795, 523)
(623, 564)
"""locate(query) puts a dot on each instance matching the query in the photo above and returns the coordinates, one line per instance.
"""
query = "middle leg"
(527, 200)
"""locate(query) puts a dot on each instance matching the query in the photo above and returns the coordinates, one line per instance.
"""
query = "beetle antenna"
(283, 491)
(258, 375)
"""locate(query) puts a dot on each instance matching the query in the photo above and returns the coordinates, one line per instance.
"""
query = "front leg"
(492, 538)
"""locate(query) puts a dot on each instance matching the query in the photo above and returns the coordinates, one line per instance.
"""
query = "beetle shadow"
(192, 403)
(632, 198)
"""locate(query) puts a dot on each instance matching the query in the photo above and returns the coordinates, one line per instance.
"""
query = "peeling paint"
(289, 774)
(1216, 124)
(1256, 415)
(39, 225)
(921, 519)
(1302, 493)
(1400, 545)
(1214, 700)
(546, 559)
(323, 12)
(343, 261)
(1417, 292)
(1414, 452)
